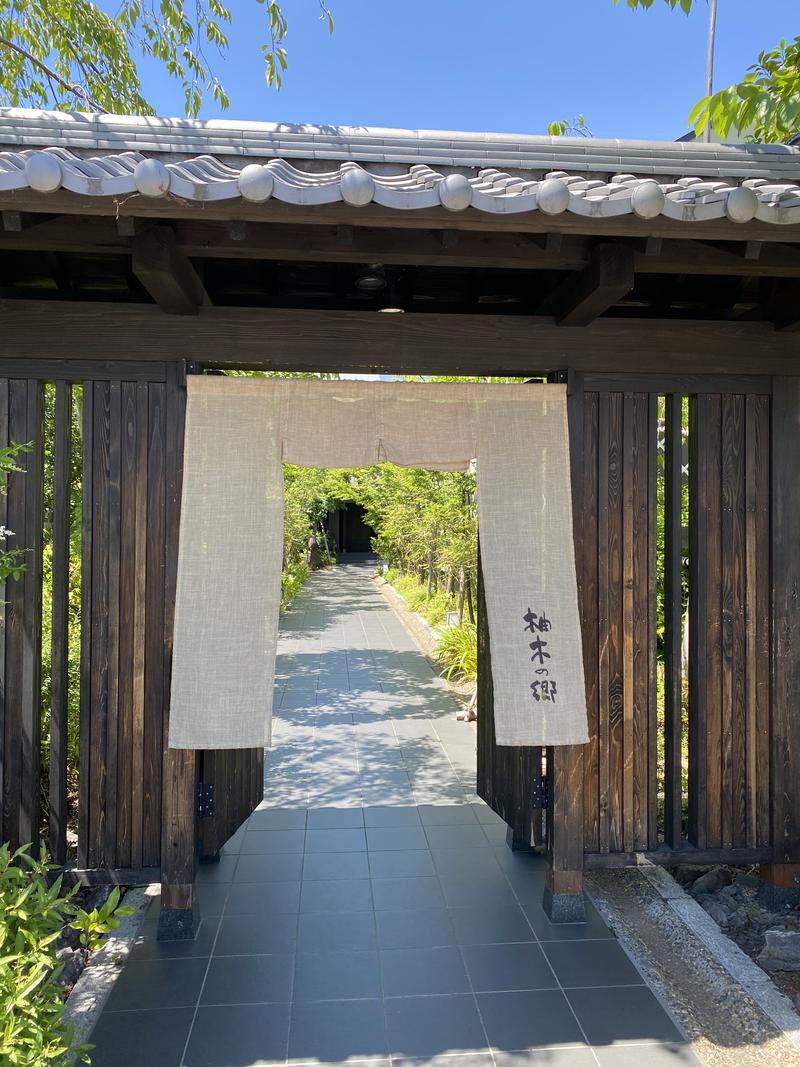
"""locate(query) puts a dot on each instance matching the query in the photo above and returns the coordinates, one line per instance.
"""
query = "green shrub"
(434, 608)
(32, 915)
(457, 651)
(32, 1029)
(292, 581)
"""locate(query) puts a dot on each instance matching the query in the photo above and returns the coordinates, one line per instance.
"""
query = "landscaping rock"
(72, 962)
(781, 950)
(97, 897)
(710, 882)
(713, 908)
(69, 938)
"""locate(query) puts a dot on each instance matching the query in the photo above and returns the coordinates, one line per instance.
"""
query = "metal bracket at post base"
(205, 801)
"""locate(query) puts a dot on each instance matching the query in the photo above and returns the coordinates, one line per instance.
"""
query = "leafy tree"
(764, 105)
(71, 53)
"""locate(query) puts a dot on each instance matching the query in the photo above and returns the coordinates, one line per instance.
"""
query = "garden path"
(369, 911)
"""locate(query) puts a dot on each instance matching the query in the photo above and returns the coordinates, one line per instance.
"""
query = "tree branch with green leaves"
(70, 54)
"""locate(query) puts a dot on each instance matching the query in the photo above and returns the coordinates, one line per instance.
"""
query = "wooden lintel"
(786, 305)
(166, 273)
(362, 341)
(581, 298)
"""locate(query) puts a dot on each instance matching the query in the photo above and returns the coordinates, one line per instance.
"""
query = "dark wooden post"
(563, 895)
(781, 879)
(179, 913)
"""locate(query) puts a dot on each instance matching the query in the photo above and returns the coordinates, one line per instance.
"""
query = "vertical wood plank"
(786, 619)
(87, 553)
(59, 688)
(603, 598)
(643, 619)
(759, 609)
(113, 664)
(734, 812)
(614, 633)
(179, 818)
(629, 463)
(33, 465)
(100, 621)
(141, 527)
(154, 629)
(673, 681)
(127, 565)
(589, 621)
(652, 640)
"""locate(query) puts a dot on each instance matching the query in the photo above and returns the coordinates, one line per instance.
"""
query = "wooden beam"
(166, 273)
(364, 341)
(203, 239)
(581, 298)
(172, 208)
(786, 305)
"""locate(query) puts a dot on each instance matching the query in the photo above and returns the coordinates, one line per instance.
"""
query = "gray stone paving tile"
(336, 894)
(390, 838)
(665, 1055)
(401, 864)
(147, 984)
(351, 840)
(464, 864)
(337, 976)
(146, 947)
(415, 928)
(277, 867)
(583, 964)
(330, 1031)
(392, 894)
(528, 1020)
(423, 971)
(486, 888)
(244, 935)
(262, 842)
(254, 898)
(592, 929)
(551, 1057)
(482, 926)
(428, 1026)
(497, 968)
(249, 979)
(447, 814)
(329, 865)
(391, 816)
(141, 1038)
(277, 819)
(346, 931)
(335, 818)
(613, 1016)
(214, 873)
(244, 1035)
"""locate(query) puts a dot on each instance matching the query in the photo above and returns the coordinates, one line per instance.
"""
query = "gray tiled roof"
(105, 155)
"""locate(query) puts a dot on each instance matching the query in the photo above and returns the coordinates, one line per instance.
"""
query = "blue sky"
(506, 65)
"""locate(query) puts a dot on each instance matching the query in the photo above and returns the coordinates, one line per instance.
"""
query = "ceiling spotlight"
(371, 280)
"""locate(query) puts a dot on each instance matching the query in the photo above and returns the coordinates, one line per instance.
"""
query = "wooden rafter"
(585, 295)
(166, 273)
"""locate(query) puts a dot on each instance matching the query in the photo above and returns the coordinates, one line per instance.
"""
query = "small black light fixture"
(371, 280)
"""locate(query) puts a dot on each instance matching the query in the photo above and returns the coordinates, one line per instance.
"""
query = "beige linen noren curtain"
(239, 432)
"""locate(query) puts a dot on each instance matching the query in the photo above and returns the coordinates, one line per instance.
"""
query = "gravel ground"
(726, 1026)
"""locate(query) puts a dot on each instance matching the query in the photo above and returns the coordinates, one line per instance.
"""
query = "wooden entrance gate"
(668, 775)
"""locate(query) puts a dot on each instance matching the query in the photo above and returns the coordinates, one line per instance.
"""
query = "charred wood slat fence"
(125, 494)
(694, 765)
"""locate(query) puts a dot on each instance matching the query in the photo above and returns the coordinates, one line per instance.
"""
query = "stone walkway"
(369, 912)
